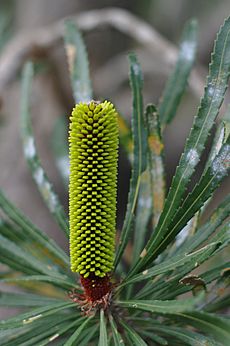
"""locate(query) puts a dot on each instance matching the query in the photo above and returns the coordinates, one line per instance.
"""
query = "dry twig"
(25, 45)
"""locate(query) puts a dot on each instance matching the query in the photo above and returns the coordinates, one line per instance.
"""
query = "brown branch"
(25, 45)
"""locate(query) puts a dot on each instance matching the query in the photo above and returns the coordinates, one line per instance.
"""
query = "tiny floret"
(92, 194)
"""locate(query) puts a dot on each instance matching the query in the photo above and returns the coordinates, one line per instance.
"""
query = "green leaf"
(132, 335)
(34, 315)
(78, 63)
(178, 80)
(87, 335)
(7, 335)
(117, 338)
(74, 337)
(140, 145)
(154, 337)
(174, 286)
(25, 300)
(215, 273)
(193, 259)
(10, 253)
(11, 232)
(156, 164)
(207, 112)
(223, 235)
(31, 334)
(160, 306)
(48, 335)
(59, 282)
(188, 337)
(19, 237)
(196, 199)
(28, 246)
(218, 304)
(203, 190)
(43, 184)
(33, 232)
(103, 339)
(221, 136)
(52, 334)
(208, 323)
(205, 231)
(17, 258)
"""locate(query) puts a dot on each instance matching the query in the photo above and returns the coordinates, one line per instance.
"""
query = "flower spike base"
(97, 293)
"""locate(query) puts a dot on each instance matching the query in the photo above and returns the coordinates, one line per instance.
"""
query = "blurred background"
(52, 100)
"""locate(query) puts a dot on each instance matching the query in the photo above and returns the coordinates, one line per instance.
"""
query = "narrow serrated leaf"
(222, 238)
(207, 112)
(34, 315)
(161, 306)
(221, 136)
(19, 237)
(11, 252)
(154, 337)
(193, 258)
(103, 338)
(51, 335)
(208, 323)
(56, 281)
(188, 337)
(205, 231)
(140, 144)
(42, 182)
(151, 290)
(39, 334)
(117, 338)
(218, 304)
(132, 335)
(11, 232)
(74, 337)
(89, 334)
(209, 181)
(78, 63)
(196, 199)
(26, 334)
(25, 300)
(176, 84)
(31, 231)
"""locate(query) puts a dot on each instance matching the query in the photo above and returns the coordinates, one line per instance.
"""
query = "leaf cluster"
(164, 229)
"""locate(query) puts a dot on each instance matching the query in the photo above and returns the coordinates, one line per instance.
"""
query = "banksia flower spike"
(92, 195)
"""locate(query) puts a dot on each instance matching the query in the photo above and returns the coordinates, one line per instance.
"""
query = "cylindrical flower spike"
(92, 192)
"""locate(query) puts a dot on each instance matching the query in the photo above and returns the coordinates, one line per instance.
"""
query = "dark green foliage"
(147, 306)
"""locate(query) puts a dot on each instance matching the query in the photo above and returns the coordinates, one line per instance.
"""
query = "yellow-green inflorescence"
(92, 191)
